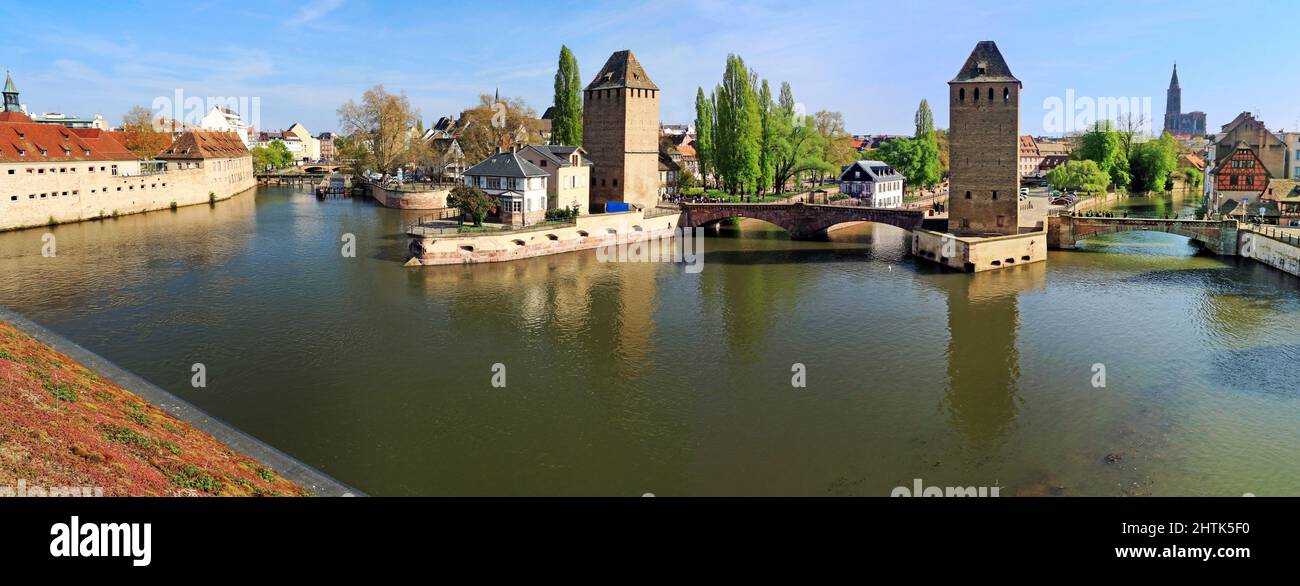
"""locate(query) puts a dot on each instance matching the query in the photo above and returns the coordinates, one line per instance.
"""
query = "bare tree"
(382, 121)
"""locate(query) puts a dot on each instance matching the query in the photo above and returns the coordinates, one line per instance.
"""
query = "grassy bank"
(62, 425)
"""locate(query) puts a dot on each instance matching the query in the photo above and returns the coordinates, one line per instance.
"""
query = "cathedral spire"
(1173, 82)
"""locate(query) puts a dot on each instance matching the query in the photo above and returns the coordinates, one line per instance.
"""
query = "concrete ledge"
(283, 464)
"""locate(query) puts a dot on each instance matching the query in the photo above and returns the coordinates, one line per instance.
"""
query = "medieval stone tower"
(984, 147)
(620, 132)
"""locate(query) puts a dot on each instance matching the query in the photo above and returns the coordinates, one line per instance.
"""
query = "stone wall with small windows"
(40, 194)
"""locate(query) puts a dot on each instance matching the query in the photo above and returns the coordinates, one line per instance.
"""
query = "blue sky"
(873, 61)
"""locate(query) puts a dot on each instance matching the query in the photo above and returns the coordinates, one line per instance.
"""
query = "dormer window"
(981, 67)
(45, 153)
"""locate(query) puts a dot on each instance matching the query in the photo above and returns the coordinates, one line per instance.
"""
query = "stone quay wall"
(588, 233)
(432, 199)
(1271, 250)
(76, 197)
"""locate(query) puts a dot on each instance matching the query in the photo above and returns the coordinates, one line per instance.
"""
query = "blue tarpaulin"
(617, 206)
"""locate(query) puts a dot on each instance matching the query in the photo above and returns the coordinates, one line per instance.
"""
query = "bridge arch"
(1219, 237)
(801, 221)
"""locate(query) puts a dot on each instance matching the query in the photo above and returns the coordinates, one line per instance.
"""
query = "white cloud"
(314, 11)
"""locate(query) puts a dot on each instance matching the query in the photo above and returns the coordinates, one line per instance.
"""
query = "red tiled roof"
(199, 144)
(26, 141)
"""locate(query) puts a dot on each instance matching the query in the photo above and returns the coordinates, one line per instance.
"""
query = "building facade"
(1030, 157)
(984, 100)
(569, 171)
(1176, 122)
(1292, 142)
(1270, 149)
(875, 183)
(620, 130)
(220, 119)
(518, 185)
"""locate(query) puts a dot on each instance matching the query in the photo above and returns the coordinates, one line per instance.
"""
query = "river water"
(623, 379)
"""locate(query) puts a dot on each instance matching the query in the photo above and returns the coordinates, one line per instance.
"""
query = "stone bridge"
(323, 167)
(802, 221)
(1219, 237)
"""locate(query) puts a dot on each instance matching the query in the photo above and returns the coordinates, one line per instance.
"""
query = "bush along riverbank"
(63, 426)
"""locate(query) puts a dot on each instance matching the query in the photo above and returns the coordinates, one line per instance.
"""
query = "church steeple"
(11, 95)
(1173, 82)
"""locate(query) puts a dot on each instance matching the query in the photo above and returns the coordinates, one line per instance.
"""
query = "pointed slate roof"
(622, 71)
(9, 84)
(985, 64)
(1173, 82)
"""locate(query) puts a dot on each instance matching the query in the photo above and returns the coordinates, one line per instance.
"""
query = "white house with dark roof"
(875, 183)
(520, 186)
(569, 170)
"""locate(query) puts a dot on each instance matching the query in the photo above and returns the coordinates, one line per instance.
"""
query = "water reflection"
(983, 357)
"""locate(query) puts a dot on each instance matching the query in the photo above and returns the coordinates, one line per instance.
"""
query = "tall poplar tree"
(768, 138)
(566, 125)
(739, 128)
(704, 134)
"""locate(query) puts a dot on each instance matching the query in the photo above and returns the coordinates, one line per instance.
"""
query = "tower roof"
(622, 71)
(985, 64)
(9, 84)
(1173, 82)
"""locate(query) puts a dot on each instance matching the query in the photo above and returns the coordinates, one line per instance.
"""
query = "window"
(990, 94)
(1006, 95)
(11, 171)
(115, 172)
(967, 195)
(995, 197)
(961, 94)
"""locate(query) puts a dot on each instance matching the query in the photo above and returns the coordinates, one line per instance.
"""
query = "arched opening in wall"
(583, 234)
(990, 94)
(611, 231)
(961, 95)
(517, 242)
(967, 195)
(1010, 261)
(552, 237)
(996, 263)
(467, 248)
(1026, 258)
(637, 229)
(976, 94)
(1006, 94)
(1143, 242)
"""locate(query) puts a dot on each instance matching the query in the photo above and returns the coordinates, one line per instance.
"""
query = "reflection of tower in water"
(983, 358)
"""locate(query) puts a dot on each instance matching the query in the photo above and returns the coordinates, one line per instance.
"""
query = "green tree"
(1192, 178)
(837, 142)
(704, 149)
(924, 121)
(472, 201)
(799, 150)
(917, 159)
(1085, 176)
(566, 125)
(1103, 146)
(1152, 164)
(773, 131)
(738, 131)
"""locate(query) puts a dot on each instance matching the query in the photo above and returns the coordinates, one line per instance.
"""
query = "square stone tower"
(620, 132)
(984, 101)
